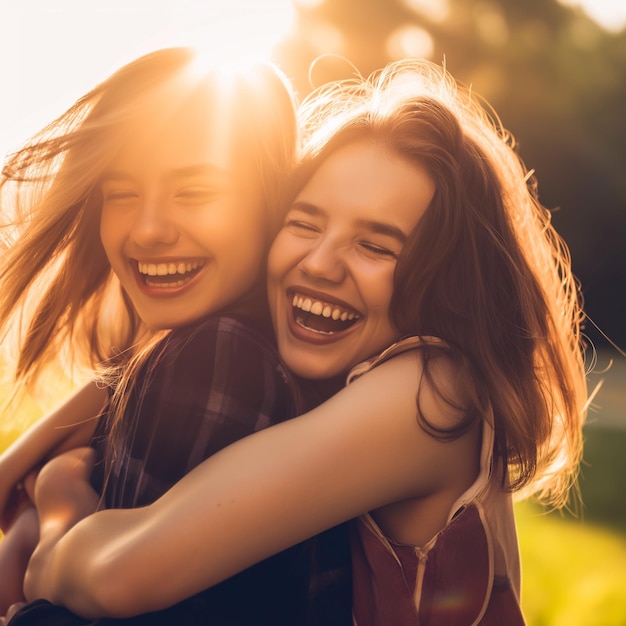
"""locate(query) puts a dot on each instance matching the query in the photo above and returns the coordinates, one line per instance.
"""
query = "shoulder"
(223, 325)
(426, 344)
(388, 433)
(226, 358)
(223, 333)
(417, 374)
(230, 352)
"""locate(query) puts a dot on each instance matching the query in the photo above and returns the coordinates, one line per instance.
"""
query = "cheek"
(109, 232)
(278, 260)
(241, 222)
(380, 292)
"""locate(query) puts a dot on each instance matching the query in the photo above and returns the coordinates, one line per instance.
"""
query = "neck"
(314, 392)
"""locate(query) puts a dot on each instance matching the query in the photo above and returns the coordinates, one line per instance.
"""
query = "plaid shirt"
(202, 388)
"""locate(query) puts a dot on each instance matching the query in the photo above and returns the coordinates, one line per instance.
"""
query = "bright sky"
(55, 50)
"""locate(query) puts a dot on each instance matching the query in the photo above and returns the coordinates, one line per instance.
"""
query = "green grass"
(573, 572)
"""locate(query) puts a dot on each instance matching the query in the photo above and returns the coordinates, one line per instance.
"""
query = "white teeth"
(170, 285)
(166, 269)
(316, 307)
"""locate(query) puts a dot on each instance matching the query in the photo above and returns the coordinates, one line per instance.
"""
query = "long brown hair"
(57, 291)
(484, 269)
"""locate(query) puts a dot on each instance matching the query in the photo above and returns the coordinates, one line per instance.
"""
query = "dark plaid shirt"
(202, 388)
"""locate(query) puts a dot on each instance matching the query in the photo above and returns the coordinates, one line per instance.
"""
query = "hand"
(63, 496)
(16, 548)
(62, 492)
(13, 609)
(12, 502)
(13, 495)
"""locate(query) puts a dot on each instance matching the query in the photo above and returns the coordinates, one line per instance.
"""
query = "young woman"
(414, 253)
(150, 206)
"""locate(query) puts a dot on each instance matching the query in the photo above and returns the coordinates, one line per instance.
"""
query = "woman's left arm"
(360, 450)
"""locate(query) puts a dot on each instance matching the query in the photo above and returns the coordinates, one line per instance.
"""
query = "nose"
(153, 226)
(324, 262)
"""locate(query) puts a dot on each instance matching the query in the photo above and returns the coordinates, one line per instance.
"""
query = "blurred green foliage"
(573, 572)
(601, 476)
(574, 566)
(557, 81)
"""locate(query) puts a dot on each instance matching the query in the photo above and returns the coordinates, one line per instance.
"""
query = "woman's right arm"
(69, 426)
(359, 451)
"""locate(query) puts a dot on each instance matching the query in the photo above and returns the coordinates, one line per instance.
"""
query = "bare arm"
(63, 494)
(69, 426)
(359, 451)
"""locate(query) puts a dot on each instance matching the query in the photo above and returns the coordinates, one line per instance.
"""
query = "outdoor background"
(555, 73)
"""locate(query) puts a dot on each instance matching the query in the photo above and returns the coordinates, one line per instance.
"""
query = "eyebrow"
(384, 228)
(381, 228)
(203, 169)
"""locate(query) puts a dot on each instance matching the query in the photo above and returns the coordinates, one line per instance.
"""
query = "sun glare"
(61, 49)
(229, 32)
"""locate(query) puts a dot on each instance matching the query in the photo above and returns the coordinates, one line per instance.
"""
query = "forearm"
(214, 523)
(70, 570)
(271, 490)
(63, 496)
(116, 563)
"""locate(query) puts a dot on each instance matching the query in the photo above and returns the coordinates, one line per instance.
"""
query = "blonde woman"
(137, 229)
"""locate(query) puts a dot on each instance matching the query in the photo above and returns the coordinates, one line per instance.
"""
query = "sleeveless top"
(467, 574)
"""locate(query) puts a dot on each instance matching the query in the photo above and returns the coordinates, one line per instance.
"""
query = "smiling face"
(182, 222)
(331, 267)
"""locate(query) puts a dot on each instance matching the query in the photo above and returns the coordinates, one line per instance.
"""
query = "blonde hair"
(484, 269)
(58, 293)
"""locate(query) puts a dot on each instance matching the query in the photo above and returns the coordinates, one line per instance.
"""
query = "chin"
(167, 323)
(315, 371)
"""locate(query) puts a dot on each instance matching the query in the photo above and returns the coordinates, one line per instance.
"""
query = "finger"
(28, 484)
(13, 609)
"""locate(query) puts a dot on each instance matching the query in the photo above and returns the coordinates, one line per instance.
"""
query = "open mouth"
(322, 317)
(168, 275)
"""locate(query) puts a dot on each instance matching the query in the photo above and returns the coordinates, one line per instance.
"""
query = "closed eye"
(377, 250)
(299, 227)
(196, 194)
(118, 195)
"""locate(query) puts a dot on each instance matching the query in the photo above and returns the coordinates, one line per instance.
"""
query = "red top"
(467, 574)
